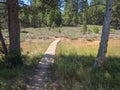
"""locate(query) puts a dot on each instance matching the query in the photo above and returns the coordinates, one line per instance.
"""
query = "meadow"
(74, 66)
(16, 78)
(74, 59)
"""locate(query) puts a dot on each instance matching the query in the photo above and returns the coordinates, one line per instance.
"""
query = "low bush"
(112, 30)
(95, 30)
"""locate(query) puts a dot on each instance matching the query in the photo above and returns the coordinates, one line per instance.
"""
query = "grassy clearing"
(33, 49)
(31, 46)
(73, 66)
(15, 78)
(68, 32)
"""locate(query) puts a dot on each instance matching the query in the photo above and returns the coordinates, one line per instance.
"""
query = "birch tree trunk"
(105, 35)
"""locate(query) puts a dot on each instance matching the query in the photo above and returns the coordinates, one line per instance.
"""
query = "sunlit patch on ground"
(90, 46)
(35, 45)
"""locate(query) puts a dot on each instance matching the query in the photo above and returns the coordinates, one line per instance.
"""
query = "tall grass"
(74, 67)
(15, 78)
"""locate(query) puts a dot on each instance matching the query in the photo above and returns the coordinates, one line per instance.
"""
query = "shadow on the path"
(39, 78)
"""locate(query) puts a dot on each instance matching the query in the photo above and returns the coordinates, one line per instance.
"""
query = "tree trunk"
(105, 35)
(14, 32)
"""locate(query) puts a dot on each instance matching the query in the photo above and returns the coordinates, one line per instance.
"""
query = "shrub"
(112, 30)
(60, 28)
(95, 30)
(89, 31)
(53, 25)
(13, 59)
(84, 28)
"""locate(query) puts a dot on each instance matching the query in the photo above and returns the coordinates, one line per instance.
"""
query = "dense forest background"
(54, 13)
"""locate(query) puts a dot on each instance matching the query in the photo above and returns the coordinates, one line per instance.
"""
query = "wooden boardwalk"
(40, 80)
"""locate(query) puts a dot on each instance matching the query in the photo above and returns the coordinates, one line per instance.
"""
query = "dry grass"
(74, 65)
(35, 46)
(85, 47)
(32, 51)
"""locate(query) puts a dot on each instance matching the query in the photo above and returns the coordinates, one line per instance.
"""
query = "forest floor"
(39, 80)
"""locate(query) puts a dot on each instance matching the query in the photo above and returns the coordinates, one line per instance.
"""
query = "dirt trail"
(39, 80)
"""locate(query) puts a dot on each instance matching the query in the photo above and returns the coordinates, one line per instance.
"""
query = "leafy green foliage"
(112, 30)
(116, 14)
(50, 18)
(36, 14)
(84, 30)
(40, 13)
(95, 29)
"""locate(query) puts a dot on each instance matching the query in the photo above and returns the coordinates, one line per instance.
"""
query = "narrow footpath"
(40, 79)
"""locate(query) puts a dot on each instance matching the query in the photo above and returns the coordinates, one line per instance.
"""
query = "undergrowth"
(73, 70)
(15, 78)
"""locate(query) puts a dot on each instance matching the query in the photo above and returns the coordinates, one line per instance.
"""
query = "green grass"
(74, 70)
(73, 65)
(68, 32)
(11, 79)
(15, 78)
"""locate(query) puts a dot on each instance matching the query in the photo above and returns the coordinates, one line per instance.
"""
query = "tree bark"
(105, 35)
(14, 31)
